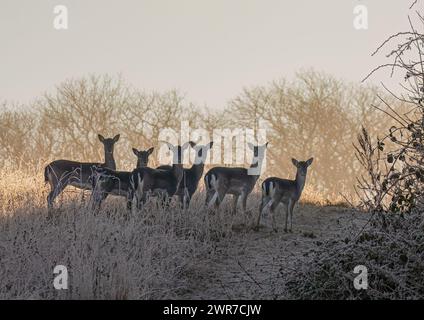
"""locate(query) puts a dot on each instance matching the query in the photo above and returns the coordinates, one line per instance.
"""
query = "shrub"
(392, 249)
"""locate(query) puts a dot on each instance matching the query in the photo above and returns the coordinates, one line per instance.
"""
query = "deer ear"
(309, 161)
(295, 162)
(192, 144)
(170, 146)
(150, 151)
(101, 138)
(116, 138)
(135, 151)
(185, 145)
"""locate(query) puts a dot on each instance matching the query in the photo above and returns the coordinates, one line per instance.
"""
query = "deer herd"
(167, 181)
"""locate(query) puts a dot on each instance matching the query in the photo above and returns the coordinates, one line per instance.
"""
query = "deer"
(61, 173)
(237, 181)
(191, 176)
(105, 181)
(287, 192)
(165, 182)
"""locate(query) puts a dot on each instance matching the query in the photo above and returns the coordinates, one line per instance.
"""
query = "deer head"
(142, 157)
(109, 143)
(177, 151)
(302, 166)
(201, 151)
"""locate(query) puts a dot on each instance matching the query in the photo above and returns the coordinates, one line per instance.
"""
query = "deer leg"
(212, 198)
(221, 191)
(50, 198)
(287, 216)
(96, 198)
(140, 193)
(182, 201)
(216, 198)
(141, 200)
(234, 206)
(138, 203)
(208, 197)
(272, 209)
(144, 199)
(291, 208)
(263, 207)
(143, 196)
(167, 200)
(186, 198)
(244, 201)
(130, 198)
(56, 191)
(97, 204)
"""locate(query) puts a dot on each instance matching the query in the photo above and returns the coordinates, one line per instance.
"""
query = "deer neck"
(110, 160)
(140, 164)
(257, 166)
(197, 169)
(300, 183)
(177, 170)
(177, 165)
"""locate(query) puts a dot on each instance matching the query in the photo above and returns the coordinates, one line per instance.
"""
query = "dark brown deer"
(105, 181)
(239, 182)
(61, 173)
(191, 176)
(163, 182)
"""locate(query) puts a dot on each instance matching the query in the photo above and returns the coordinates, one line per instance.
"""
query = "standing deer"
(164, 182)
(239, 182)
(288, 192)
(105, 181)
(61, 173)
(191, 176)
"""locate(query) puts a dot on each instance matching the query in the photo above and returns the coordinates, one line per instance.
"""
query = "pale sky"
(208, 49)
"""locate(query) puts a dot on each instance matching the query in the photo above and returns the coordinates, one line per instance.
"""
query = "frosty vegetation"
(391, 244)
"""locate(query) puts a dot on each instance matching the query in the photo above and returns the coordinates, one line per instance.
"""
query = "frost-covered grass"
(108, 255)
(391, 247)
(154, 253)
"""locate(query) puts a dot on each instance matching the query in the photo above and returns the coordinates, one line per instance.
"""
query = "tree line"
(315, 114)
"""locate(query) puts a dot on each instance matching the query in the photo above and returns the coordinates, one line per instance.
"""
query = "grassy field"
(154, 253)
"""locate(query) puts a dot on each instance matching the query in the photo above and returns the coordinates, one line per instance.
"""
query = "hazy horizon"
(209, 50)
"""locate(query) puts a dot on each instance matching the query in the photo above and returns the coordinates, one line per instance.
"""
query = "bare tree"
(394, 162)
(315, 115)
